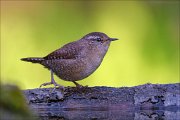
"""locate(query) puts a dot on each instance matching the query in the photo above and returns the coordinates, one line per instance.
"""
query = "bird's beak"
(113, 39)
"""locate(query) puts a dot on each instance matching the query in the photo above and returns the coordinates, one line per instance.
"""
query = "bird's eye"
(98, 39)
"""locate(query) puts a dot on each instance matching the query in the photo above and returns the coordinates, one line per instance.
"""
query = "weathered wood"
(144, 101)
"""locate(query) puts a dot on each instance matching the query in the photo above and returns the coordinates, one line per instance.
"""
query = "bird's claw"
(50, 83)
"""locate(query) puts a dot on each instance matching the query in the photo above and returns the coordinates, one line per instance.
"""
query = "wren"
(76, 60)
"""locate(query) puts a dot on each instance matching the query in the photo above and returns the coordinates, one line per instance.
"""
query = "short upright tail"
(33, 59)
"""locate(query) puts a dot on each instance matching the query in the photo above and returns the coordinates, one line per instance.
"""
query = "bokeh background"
(147, 52)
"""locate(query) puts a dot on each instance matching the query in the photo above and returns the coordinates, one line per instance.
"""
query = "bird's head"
(98, 37)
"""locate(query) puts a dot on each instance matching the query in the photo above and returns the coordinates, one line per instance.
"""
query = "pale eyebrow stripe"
(92, 37)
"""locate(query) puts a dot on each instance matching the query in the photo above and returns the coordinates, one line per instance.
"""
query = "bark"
(149, 101)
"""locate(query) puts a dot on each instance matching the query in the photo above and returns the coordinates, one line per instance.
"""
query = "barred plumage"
(33, 59)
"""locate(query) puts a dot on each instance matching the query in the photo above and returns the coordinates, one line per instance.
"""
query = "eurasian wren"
(76, 60)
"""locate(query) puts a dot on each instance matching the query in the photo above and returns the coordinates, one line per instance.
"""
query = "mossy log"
(148, 101)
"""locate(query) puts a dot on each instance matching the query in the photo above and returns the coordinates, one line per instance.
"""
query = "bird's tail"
(33, 59)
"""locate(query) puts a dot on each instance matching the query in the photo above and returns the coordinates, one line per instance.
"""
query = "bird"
(75, 60)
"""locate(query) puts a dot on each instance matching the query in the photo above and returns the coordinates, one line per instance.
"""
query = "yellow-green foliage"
(147, 51)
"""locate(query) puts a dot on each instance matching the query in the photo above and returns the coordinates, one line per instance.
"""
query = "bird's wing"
(68, 51)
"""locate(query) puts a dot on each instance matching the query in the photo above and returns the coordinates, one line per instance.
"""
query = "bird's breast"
(94, 59)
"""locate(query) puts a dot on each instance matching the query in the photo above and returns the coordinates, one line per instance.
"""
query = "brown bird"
(76, 60)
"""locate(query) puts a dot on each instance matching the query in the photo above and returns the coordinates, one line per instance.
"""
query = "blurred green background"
(147, 52)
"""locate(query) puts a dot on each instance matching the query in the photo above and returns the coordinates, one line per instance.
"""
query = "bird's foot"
(79, 86)
(52, 83)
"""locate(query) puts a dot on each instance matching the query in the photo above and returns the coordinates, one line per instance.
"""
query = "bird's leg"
(52, 82)
(78, 85)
